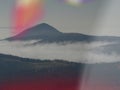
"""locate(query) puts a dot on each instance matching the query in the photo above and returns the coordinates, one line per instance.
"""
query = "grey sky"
(100, 17)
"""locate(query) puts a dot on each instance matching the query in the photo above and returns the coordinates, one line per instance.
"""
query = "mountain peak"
(44, 27)
(44, 24)
(42, 30)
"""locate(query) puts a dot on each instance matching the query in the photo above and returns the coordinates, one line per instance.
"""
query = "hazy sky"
(99, 17)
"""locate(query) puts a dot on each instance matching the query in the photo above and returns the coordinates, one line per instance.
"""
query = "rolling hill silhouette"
(23, 73)
(18, 73)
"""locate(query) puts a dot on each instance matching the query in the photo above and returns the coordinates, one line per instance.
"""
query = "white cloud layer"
(77, 52)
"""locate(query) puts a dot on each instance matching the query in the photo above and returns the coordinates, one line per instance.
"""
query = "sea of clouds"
(76, 52)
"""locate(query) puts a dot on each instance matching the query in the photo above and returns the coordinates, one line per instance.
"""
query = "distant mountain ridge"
(12, 58)
(48, 34)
